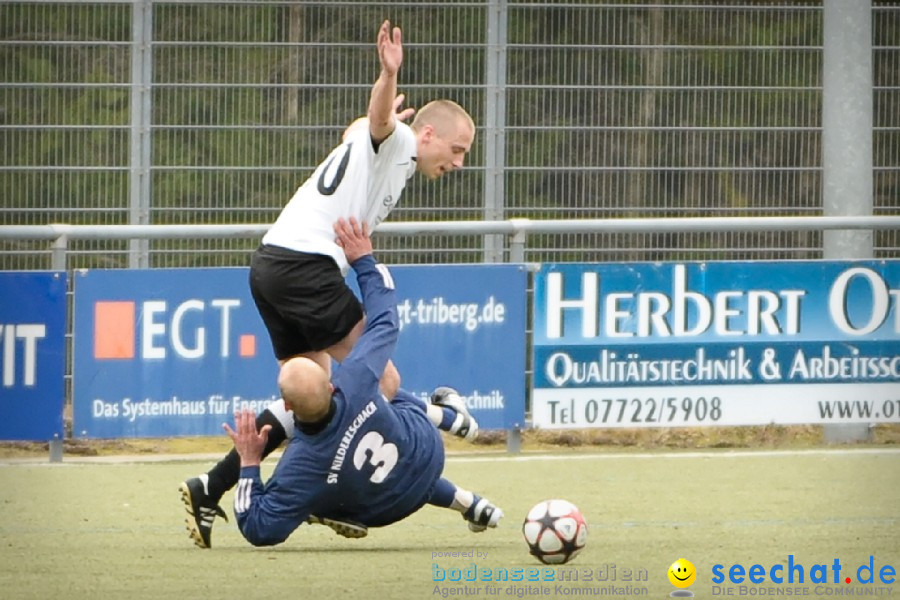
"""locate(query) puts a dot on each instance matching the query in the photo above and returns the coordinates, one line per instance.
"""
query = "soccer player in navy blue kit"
(355, 457)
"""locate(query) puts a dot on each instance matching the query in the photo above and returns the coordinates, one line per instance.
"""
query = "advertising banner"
(32, 355)
(463, 326)
(724, 343)
(172, 352)
(167, 352)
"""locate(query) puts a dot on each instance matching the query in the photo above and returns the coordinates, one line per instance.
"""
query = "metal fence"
(213, 112)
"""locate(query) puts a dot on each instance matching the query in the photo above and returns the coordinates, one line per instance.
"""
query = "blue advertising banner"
(170, 352)
(463, 326)
(32, 355)
(167, 352)
(724, 343)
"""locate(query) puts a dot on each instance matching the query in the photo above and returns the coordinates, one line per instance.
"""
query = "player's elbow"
(390, 381)
(262, 538)
(379, 122)
(263, 541)
(388, 324)
(380, 127)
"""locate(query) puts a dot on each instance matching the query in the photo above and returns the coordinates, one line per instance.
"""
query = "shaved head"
(305, 388)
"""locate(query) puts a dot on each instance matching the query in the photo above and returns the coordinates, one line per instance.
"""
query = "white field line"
(500, 457)
(675, 454)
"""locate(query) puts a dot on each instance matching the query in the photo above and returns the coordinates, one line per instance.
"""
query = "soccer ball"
(555, 531)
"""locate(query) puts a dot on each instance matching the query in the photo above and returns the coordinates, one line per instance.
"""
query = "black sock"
(226, 473)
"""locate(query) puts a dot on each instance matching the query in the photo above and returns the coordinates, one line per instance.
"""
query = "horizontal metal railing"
(55, 231)
(60, 234)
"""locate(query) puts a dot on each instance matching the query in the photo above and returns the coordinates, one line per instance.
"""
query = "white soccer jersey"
(354, 181)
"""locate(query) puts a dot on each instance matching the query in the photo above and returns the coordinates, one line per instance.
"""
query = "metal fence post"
(495, 126)
(141, 106)
(847, 143)
(58, 251)
(517, 255)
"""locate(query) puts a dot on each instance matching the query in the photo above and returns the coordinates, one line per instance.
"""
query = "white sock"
(462, 500)
(284, 416)
(435, 414)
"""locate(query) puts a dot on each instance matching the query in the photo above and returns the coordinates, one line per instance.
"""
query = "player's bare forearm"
(381, 102)
(381, 114)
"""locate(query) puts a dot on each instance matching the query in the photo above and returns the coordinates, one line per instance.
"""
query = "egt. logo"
(161, 330)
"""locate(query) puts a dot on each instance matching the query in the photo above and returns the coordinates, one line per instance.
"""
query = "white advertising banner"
(726, 343)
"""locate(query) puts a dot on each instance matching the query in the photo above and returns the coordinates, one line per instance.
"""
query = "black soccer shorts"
(302, 299)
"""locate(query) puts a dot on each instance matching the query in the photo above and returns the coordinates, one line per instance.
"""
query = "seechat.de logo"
(157, 329)
(830, 572)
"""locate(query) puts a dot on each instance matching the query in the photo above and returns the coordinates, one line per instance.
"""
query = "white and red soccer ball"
(555, 531)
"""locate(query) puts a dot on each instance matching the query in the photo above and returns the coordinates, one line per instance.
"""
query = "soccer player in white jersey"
(297, 274)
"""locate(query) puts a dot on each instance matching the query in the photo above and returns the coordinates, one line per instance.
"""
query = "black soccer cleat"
(465, 425)
(200, 509)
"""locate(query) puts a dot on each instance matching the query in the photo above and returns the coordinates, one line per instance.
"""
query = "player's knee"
(390, 381)
(342, 349)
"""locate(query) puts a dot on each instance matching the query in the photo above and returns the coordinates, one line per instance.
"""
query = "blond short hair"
(440, 114)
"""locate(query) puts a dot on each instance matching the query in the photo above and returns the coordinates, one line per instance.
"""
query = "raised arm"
(381, 102)
(366, 362)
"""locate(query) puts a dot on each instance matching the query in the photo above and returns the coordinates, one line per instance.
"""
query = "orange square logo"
(113, 330)
(247, 346)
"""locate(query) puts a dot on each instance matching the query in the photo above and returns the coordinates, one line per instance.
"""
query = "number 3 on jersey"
(383, 455)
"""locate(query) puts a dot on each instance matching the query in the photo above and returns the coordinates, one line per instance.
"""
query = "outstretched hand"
(353, 239)
(404, 114)
(247, 441)
(390, 48)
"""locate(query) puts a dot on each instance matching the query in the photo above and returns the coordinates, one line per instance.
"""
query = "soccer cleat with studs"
(348, 529)
(201, 511)
(464, 425)
(482, 514)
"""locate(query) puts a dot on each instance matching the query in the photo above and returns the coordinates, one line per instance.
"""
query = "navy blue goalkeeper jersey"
(375, 463)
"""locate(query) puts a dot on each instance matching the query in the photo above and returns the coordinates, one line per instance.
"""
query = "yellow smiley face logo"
(682, 573)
